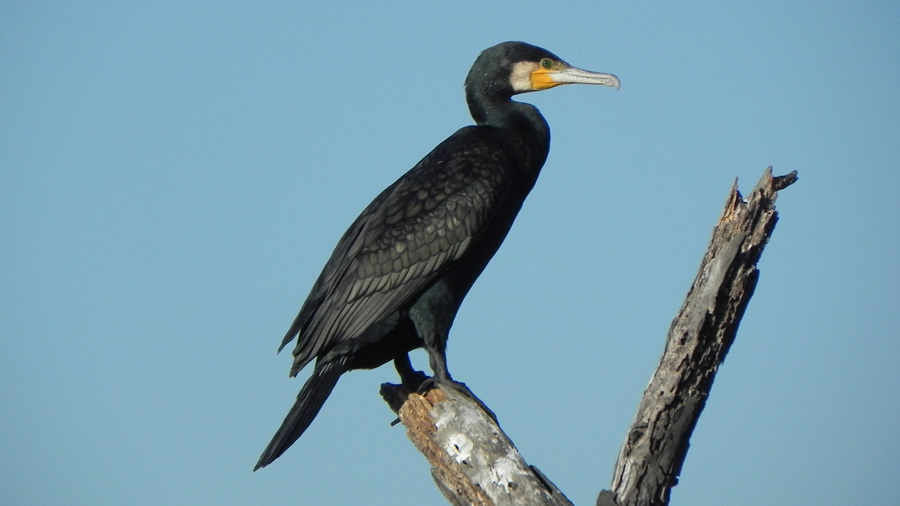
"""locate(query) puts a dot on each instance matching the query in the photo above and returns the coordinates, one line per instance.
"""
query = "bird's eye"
(546, 63)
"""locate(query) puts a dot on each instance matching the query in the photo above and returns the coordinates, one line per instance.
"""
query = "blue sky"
(173, 177)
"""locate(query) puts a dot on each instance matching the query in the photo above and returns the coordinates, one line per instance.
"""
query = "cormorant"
(399, 274)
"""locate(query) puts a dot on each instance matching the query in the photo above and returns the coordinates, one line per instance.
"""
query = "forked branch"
(474, 462)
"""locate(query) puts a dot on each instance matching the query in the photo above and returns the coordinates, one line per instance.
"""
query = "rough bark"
(699, 338)
(474, 462)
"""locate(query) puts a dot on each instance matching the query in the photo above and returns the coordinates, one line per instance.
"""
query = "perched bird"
(399, 274)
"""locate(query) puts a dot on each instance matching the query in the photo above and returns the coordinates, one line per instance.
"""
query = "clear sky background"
(174, 175)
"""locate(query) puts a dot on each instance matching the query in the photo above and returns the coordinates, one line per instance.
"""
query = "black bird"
(399, 274)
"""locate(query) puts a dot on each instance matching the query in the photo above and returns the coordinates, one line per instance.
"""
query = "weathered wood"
(472, 460)
(699, 338)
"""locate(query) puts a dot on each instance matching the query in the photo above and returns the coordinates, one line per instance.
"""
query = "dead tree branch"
(657, 442)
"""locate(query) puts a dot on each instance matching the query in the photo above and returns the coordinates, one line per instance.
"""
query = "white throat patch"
(520, 78)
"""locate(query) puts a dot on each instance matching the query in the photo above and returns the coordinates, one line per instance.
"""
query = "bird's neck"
(522, 123)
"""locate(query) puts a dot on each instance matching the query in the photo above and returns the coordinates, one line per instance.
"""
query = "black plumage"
(399, 274)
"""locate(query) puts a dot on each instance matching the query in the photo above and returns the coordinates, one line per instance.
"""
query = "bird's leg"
(433, 314)
(438, 360)
(411, 381)
(411, 378)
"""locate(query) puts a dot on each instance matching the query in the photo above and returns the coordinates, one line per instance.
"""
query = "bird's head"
(517, 67)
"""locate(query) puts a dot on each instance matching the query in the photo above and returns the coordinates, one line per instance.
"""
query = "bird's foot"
(395, 395)
(414, 380)
(435, 382)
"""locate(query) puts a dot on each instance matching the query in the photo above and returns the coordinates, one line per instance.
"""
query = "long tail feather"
(309, 401)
